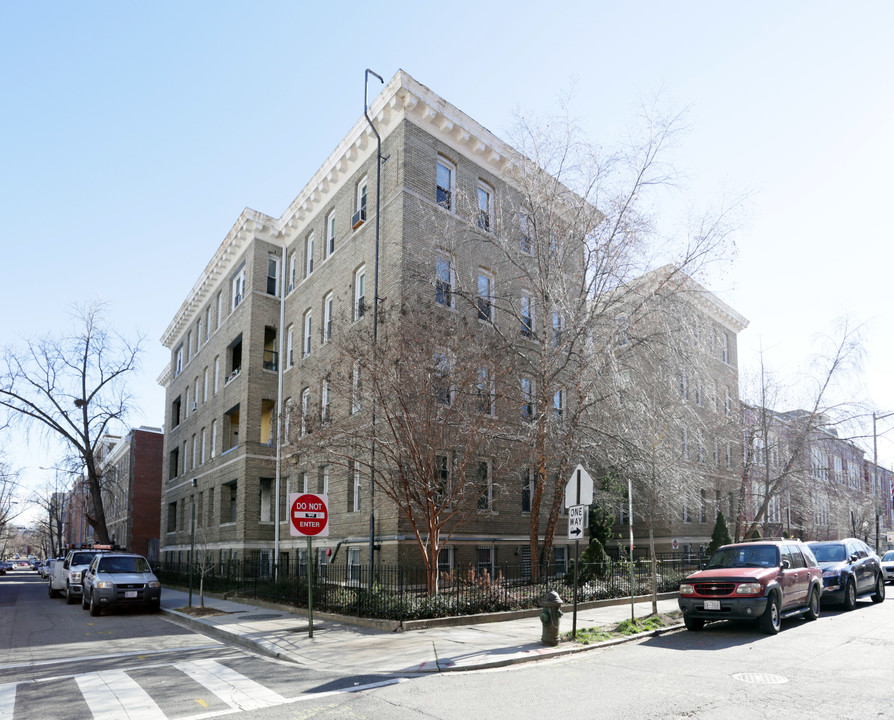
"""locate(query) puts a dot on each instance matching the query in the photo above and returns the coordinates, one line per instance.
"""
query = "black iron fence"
(401, 593)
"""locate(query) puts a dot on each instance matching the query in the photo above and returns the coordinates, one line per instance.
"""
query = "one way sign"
(577, 521)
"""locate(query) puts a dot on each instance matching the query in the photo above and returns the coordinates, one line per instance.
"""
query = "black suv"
(850, 570)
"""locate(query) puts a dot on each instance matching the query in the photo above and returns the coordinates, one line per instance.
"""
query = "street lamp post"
(875, 488)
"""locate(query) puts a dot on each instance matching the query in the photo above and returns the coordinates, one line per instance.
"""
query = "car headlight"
(749, 589)
(687, 589)
(153, 584)
(103, 584)
(832, 574)
(76, 577)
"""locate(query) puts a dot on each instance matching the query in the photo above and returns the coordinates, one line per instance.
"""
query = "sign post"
(309, 516)
(578, 498)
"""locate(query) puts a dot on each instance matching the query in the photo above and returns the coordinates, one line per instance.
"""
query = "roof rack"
(772, 539)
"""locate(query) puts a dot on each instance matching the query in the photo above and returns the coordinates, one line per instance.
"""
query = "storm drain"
(262, 616)
(760, 678)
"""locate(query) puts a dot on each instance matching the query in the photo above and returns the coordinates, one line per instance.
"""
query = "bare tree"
(51, 499)
(74, 387)
(438, 439)
(786, 462)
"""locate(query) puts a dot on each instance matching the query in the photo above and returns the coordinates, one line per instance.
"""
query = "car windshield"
(749, 556)
(123, 565)
(829, 553)
(889, 555)
(82, 558)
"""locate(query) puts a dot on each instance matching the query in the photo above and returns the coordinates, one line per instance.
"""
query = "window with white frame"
(308, 330)
(195, 451)
(442, 471)
(204, 444)
(526, 242)
(527, 315)
(189, 352)
(213, 447)
(727, 401)
(441, 378)
(293, 269)
(360, 207)
(444, 281)
(527, 390)
(724, 347)
(325, 399)
(356, 388)
(356, 496)
(290, 346)
(237, 286)
(485, 390)
(207, 323)
(527, 490)
(729, 455)
(330, 233)
(485, 300)
(178, 360)
(187, 401)
(484, 483)
(359, 293)
(272, 274)
(216, 373)
(305, 409)
(444, 183)
(485, 206)
(199, 335)
(700, 437)
(287, 419)
(328, 310)
(559, 404)
(686, 517)
(204, 386)
(220, 308)
(558, 328)
(309, 255)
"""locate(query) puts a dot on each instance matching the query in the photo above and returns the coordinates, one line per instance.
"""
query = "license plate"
(133, 594)
(712, 604)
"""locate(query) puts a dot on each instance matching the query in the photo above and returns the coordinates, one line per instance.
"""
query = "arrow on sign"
(575, 532)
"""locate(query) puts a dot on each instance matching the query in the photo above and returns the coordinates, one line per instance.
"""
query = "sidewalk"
(345, 647)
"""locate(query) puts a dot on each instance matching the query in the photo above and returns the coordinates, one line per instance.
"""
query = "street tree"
(418, 417)
(786, 458)
(578, 232)
(72, 388)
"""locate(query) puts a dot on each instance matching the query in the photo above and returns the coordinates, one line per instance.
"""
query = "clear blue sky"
(133, 134)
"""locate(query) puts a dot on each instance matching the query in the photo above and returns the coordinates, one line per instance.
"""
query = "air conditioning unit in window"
(358, 218)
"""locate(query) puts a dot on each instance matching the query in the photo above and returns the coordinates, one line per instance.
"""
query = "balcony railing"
(270, 359)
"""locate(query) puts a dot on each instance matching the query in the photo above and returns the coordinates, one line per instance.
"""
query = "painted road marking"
(113, 694)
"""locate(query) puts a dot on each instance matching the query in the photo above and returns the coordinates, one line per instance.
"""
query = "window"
(559, 405)
(445, 559)
(308, 323)
(219, 309)
(359, 293)
(293, 265)
(268, 411)
(444, 183)
(526, 243)
(230, 497)
(360, 214)
(527, 388)
(485, 206)
(231, 429)
(558, 328)
(290, 346)
(287, 419)
(527, 315)
(354, 488)
(178, 360)
(684, 443)
(485, 391)
(686, 517)
(213, 438)
(189, 352)
(356, 388)
(729, 455)
(172, 517)
(698, 394)
(485, 297)
(272, 275)
(561, 563)
(199, 336)
(328, 309)
(684, 384)
(484, 485)
(309, 255)
(175, 412)
(724, 347)
(324, 400)
(238, 287)
(330, 233)
(323, 480)
(204, 445)
(441, 383)
(305, 409)
(700, 436)
(703, 507)
(727, 401)
(444, 282)
(186, 414)
(173, 463)
(195, 447)
(234, 352)
(485, 560)
(207, 323)
(204, 386)
(442, 477)
(216, 373)
(527, 494)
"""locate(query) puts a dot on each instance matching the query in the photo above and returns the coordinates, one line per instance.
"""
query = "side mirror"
(786, 564)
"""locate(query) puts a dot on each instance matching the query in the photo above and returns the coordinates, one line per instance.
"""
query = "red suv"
(763, 580)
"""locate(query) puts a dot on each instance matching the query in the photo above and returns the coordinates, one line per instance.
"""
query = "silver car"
(116, 580)
(888, 565)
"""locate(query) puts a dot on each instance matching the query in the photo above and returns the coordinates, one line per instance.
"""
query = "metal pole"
(576, 562)
(310, 588)
(192, 547)
(630, 524)
(372, 460)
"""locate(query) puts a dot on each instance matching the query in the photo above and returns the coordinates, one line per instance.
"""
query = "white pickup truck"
(67, 575)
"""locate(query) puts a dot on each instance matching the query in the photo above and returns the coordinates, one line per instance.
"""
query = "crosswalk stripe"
(7, 700)
(114, 695)
(236, 690)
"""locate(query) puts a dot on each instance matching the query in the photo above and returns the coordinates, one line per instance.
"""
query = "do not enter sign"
(309, 515)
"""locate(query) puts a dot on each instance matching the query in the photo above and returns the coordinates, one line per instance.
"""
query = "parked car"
(116, 580)
(888, 565)
(763, 580)
(851, 570)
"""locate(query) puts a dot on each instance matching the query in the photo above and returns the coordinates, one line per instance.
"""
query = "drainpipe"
(280, 361)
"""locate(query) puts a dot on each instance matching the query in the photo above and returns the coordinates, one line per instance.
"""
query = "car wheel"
(94, 606)
(53, 593)
(813, 607)
(85, 602)
(879, 594)
(850, 595)
(694, 624)
(69, 598)
(770, 621)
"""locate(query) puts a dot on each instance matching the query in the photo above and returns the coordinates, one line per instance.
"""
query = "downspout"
(279, 422)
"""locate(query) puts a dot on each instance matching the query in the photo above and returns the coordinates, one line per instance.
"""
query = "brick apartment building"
(251, 341)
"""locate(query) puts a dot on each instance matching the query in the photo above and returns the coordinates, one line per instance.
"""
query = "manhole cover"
(262, 616)
(760, 678)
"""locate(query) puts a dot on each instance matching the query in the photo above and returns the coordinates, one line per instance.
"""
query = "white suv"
(116, 580)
